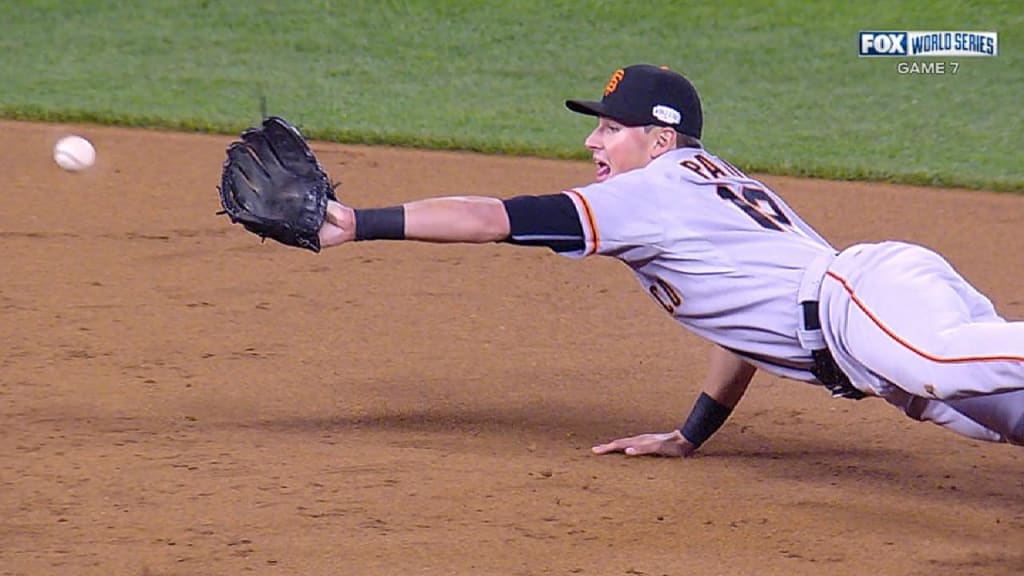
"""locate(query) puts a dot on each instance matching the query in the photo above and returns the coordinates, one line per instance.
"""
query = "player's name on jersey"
(910, 43)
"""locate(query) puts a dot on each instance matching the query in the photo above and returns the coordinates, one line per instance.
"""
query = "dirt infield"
(179, 399)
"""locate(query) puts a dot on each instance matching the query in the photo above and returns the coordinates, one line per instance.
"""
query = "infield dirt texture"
(179, 399)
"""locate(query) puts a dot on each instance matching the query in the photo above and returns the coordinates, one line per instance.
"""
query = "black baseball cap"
(642, 94)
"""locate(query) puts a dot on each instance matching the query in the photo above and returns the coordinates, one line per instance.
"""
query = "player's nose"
(593, 141)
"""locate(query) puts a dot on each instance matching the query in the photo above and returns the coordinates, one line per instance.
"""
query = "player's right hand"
(339, 225)
(665, 444)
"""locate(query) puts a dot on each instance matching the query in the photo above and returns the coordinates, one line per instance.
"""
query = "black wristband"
(380, 223)
(704, 420)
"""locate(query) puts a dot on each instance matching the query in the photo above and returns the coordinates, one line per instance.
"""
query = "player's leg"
(1003, 413)
(911, 319)
(941, 413)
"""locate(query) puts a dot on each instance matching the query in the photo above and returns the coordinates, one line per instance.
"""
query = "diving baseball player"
(731, 261)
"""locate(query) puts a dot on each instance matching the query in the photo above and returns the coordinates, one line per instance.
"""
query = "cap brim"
(594, 108)
(588, 107)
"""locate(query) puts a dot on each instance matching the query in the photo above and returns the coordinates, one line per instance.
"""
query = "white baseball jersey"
(695, 230)
(726, 257)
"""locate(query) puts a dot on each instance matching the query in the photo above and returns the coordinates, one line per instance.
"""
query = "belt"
(811, 337)
(809, 334)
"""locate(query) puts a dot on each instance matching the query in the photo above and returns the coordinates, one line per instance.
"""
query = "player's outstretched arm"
(726, 382)
(475, 219)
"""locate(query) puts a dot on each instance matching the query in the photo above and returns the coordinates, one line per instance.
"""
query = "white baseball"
(74, 153)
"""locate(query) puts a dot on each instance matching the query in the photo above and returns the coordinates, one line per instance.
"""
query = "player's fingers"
(334, 212)
(620, 445)
(329, 235)
(643, 448)
(643, 445)
(609, 447)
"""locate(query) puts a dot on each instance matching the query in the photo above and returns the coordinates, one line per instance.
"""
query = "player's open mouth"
(603, 170)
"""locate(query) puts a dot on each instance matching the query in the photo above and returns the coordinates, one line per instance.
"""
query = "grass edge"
(507, 148)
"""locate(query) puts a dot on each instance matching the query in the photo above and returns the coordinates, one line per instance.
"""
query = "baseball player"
(730, 260)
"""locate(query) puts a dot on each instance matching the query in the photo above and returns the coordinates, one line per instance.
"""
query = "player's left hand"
(339, 225)
(664, 444)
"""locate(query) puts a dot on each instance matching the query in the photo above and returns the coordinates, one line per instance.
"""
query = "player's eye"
(608, 125)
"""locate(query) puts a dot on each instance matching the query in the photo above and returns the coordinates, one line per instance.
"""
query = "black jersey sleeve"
(549, 220)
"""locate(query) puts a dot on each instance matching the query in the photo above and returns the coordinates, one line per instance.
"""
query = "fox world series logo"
(943, 44)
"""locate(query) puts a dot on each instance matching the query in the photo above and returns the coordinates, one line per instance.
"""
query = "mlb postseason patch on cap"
(666, 114)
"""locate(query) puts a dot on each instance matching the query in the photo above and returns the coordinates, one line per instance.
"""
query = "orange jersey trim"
(902, 341)
(591, 221)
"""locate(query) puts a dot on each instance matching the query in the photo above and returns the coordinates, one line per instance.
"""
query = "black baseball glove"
(274, 186)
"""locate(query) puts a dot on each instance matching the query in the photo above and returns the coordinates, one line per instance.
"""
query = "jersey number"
(757, 204)
(666, 295)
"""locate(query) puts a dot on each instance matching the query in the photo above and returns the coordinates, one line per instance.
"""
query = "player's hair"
(682, 140)
(687, 141)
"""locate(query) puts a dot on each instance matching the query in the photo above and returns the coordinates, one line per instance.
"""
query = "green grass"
(783, 88)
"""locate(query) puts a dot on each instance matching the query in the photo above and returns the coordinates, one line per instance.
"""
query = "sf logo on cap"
(613, 82)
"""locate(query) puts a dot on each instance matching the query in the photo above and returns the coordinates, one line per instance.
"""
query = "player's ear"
(664, 141)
